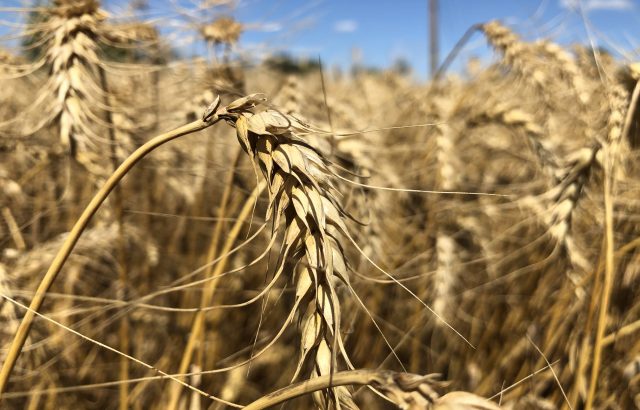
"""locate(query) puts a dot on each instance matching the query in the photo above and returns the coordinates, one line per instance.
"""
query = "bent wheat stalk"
(80, 225)
(406, 390)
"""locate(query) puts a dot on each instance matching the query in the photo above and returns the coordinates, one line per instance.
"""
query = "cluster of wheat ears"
(364, 242)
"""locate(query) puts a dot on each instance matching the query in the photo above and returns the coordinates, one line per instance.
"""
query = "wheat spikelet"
(450, 177)
(449, 167)
(565, 196)
(223, 30)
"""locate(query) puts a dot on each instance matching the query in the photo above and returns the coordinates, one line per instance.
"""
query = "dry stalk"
(223, 30)
(407, 391)
(7, 310)
(80, 225)
(14, 229)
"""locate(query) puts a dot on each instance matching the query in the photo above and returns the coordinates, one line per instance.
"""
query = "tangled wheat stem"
(71, 240)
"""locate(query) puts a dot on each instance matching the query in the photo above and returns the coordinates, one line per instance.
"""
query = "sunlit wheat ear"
(515, 52)
(450, 176)
(305, 210)
(567, 66)
(540, 63)
(565, 196)
(222, 31)
(580, 164)
(448, 163)
(522, 121)
(446, 273)
(72, 56)
(9, 321)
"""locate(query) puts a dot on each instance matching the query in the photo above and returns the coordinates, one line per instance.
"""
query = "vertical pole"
(434, 50)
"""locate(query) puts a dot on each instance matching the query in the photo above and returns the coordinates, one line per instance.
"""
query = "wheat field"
(194, 233)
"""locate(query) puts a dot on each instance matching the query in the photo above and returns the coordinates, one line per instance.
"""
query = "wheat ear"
(302, 196)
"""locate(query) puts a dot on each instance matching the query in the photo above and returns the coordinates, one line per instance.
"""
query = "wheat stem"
(198, 325)
(80, 225)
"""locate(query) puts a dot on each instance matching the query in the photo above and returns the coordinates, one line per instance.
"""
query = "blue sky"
(386, 30)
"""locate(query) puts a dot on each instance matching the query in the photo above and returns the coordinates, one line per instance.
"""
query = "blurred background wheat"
(477, 223)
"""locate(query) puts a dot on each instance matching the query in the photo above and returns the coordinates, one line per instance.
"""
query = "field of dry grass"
(197, 234)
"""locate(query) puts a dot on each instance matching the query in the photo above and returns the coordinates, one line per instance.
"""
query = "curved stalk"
(71, 240)
(350, 377)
